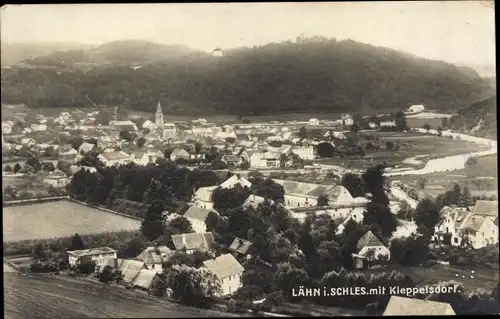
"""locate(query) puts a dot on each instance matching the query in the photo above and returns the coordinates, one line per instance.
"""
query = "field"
(411, 144)
(481, 178)
(482, 277)
(59, 219)
(47, 296)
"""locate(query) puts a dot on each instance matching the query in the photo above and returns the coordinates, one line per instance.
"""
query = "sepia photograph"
(294, 159)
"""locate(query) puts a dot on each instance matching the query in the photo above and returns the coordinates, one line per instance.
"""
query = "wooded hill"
(479, 119)
(314, 75)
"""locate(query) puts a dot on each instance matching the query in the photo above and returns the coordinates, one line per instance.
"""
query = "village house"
(416, 108)
(129, 268)
(235, 180)
(124, 125)
(265, 160)
(97, 255)
(192, 242)
(7, 127)
(304, 152)
(356, 214)
(197, 216)
(347, 120)
(38, 127)
(145, 156)
(149, 125)
(203, 197)
(370, 248)
(57, 179)
(253, 201)
(479, 225)
(67, 152)
(169, 130)
(179, 153)
(388, 124)
(298, 194)
(104, 142)
(403, 306)
(154, 257)
(228, 270)
(232, 160)
(241, 248)
(28, 142)
(338, 212)
(86, 147)
(114, 158)
(146, 279)
(372, 125)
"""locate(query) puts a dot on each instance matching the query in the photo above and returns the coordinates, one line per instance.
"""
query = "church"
(166, 130)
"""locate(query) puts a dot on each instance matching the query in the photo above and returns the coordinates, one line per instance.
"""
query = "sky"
(453, 31)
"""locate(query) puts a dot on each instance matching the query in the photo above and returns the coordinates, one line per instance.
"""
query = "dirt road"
(50, 296)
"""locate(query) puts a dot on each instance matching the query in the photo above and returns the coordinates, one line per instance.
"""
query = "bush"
(47, 267)
(131, 208)
(371, 308)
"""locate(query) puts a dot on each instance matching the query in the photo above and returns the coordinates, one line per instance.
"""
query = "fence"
(34, 200)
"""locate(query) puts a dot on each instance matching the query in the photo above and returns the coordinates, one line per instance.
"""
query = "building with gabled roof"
(403, 306)
(197, 216)
(241, 248)
(130, 269)
(146, 279)
(98, 255)
(203, 197)
(253, 201)
(114, 158)
(192, 242)
(86, 147)
(154, 257)
(370, 248)
(228, 270)
(234, 180)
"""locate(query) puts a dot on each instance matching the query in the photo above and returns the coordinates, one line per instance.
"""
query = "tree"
(192, 286)
(133, 247)
(323, 200)
(48, 166)
(427, 127)
(227, 199)
(325, 150)
(288, 277)
(86, 267)
(16, 168)
(268, 188)
(466, 198)
(371, 309)
(181, 224)
(444, 122)
(40, 252)
(426, 216)
(7, 168)
(422, 182)
(140, 142)
(76, 142)
(354, 184)
(106, 275)
(410, 251)
(77, 243)
(126, 135)
(440, 131)
(104, 117)
(302, 133)
(153, 225)
(389, 145)
(400, 121)
(35, 163)
(10, 190)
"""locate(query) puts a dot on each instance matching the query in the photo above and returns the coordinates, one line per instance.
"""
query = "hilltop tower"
(159, 117)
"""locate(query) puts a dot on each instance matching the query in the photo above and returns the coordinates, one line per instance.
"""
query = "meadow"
(410, 144)
(59, 219)
(481, 178)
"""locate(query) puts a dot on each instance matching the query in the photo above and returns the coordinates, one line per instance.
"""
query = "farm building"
(203, 197)
(146, 279)
(402, 306)
(114, 158)
(153, 257)
(57, 179)
(196, 216)
(241, 248)
(98, 255)
(193, 241)
(253, 201)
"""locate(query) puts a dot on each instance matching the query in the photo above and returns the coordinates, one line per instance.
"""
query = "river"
(449, 163)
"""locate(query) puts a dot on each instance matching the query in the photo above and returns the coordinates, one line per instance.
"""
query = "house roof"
(200, 241)
(309, 189)
(402, 306)
(473, 222)
(144, 278)
(66, 149)
(240, 246)
(179, 151)
(130, 268)
(117, 155)
(197, 213)
(224, 266)
(486, 208)
(154, 255)
(231, 158)
(86, 147)
(205, 193)
(234, 180)
(138, 154)
(90, 252)
(369, 239)
(253, 201)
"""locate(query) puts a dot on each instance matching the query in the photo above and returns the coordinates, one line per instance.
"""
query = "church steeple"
(159, 116)
(158, 108)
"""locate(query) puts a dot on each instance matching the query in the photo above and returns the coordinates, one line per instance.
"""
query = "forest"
(313, 75)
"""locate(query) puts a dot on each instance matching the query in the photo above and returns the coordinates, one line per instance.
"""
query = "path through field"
(50, 296)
